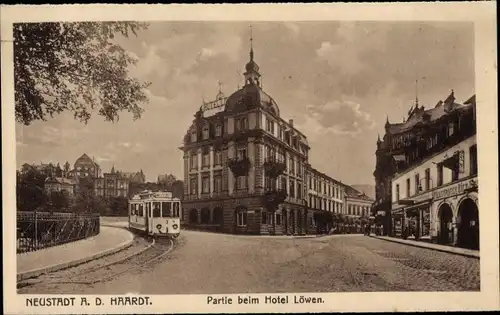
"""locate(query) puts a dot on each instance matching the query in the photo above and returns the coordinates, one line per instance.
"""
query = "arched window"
(205, 216)
(241, 216)
(193, 216)
(217, 216)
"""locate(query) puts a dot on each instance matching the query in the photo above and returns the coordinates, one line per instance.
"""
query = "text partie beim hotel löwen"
(268, 299)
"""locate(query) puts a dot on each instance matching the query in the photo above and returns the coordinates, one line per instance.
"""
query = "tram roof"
(154, 195)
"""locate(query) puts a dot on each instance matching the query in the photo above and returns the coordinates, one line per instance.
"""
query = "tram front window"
(166, 208)
(156, 209)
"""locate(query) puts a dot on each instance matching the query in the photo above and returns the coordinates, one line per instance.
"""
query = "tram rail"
(137, 261)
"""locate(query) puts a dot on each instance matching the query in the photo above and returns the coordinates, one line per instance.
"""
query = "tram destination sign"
(453, 190)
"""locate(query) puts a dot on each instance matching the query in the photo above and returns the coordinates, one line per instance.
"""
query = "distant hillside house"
(134, 177)
(112, 184)
(60, 184)
(47, 169)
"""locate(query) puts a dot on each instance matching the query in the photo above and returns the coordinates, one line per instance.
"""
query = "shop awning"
(419, 204)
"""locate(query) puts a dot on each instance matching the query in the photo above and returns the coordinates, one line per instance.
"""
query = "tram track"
(105, 271)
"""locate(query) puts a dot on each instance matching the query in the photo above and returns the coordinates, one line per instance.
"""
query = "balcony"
(275, 197)
(239, 166)
(274, 168)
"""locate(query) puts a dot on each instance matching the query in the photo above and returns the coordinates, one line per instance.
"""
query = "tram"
(156, 214)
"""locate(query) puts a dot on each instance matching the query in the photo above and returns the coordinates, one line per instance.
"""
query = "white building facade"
(437, 199)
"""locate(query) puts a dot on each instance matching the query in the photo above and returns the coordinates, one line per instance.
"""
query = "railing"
(274, 167)
(38, 230)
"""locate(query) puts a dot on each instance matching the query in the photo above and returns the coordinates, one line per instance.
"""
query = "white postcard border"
(481, 13)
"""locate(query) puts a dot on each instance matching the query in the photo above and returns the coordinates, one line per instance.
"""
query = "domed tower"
(252, 75)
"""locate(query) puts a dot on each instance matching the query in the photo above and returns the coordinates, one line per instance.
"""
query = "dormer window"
(451, 129)
(193, 136)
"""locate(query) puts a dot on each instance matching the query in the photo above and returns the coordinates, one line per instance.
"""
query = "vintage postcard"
(249, 158)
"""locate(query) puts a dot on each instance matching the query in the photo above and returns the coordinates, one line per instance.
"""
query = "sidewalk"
(108, 241)
(121, 222)
(441, 248)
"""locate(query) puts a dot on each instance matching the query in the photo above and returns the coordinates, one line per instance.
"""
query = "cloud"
(341, 118)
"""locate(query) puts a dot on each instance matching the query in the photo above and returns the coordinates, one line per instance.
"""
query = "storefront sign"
(453, 190)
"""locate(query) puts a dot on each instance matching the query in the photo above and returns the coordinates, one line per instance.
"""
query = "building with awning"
(426, 174)
(435, 196)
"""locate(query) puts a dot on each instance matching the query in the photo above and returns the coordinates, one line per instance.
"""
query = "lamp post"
(427, 188)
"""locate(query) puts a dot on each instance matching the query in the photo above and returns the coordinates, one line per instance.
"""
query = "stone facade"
(245, 167)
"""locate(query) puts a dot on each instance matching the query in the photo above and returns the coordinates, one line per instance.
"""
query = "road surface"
(207, 263)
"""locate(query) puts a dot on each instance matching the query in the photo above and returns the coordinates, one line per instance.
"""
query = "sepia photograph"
(243, 160)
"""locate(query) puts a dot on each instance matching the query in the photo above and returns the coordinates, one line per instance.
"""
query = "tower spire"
(251, 43)
(416, 93)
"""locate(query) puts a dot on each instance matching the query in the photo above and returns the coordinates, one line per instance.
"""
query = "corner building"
(433, 191)
(245, 166)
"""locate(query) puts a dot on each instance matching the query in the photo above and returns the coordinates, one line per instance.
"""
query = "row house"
(324, 193)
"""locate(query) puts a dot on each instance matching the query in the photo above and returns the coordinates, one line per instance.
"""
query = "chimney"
(290, 122)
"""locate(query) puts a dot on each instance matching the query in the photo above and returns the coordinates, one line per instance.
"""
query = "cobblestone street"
(216, 264)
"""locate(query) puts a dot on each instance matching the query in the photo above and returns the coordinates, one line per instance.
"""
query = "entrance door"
(468, 229)
(445, 236)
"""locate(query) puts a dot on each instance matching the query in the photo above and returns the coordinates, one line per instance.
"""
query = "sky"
(338, 81)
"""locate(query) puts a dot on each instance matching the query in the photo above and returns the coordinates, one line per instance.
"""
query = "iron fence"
(38, 230)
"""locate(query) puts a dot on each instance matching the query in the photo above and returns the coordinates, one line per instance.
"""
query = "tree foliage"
(30, 190)
(75, 67)
(59, 201)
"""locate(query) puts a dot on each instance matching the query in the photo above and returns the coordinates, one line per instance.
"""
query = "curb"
(443, 250)
(40, 271)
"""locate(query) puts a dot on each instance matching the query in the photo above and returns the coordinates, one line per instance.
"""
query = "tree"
(118, 206)
(86, 201)
(178, 189)
(75, 67)
(59, 200)
(30, 190)
(167, 181)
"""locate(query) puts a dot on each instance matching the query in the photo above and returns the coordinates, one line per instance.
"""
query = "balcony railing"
(274, 167)
(239, 166)
(275, 197)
